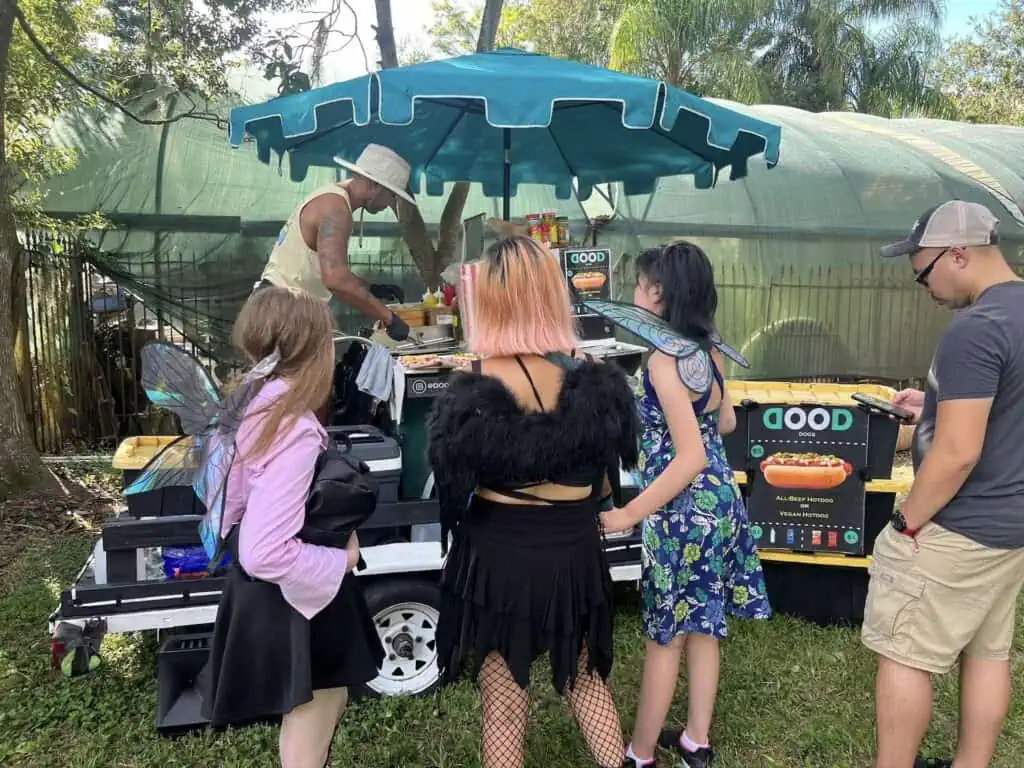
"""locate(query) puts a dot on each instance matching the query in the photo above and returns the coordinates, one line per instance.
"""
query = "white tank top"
(293, 264)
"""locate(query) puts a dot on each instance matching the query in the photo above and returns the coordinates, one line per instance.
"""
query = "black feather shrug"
(480, 435)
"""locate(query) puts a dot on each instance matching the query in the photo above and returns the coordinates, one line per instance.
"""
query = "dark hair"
(687, 281)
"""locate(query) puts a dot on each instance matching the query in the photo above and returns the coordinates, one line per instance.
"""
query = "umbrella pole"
(506, 202)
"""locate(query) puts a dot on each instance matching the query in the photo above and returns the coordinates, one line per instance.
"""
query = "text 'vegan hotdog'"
(805, 471)
(589, 281)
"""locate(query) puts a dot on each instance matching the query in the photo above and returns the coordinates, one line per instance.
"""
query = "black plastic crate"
(174, 500)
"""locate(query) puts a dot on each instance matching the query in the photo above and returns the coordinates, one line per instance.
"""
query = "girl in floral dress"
(699, 559)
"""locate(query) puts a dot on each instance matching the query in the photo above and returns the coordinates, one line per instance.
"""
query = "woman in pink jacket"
(293, 631)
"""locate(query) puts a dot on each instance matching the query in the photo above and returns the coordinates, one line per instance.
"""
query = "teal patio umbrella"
(508, 117)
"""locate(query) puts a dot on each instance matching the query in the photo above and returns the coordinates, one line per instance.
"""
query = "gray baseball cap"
(952, 224)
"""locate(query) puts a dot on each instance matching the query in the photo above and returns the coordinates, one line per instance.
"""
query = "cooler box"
(380, 452)
(883, 430)
(131, 458)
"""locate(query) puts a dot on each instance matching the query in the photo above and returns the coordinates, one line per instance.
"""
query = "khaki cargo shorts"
(945, 595)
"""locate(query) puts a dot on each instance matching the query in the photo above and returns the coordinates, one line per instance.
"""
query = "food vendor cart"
(500, 119)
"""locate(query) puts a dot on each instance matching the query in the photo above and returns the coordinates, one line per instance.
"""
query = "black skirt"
(525, 581)
(267, 659)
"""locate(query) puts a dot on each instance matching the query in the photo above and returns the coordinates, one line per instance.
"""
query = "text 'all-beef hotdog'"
(805, 471)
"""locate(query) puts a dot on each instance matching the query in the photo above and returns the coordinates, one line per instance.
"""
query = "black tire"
(406, 611)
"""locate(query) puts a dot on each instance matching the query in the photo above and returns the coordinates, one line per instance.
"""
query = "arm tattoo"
(331, 244)
(332, 252)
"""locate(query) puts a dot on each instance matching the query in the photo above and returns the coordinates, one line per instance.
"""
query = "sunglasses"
(921, 278)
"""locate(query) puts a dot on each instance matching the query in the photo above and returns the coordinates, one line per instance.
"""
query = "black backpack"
(342, 497)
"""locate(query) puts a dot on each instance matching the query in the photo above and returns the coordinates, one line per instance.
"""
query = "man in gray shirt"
(946, 574)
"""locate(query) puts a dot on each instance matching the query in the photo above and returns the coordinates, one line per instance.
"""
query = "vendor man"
(311, 253)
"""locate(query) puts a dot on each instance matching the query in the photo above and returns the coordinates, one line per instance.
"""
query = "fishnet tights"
(506, 705)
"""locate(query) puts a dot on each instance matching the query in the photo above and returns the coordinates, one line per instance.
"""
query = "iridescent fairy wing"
(211, 486)
(176, 464)
(644, 324)
(175, 380)
(728, 351)
(695, 371)
(219, 454)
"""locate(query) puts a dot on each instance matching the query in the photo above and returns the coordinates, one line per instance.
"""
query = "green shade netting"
(801, 289)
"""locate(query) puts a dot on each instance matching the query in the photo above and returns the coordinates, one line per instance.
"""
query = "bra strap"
(529, 378)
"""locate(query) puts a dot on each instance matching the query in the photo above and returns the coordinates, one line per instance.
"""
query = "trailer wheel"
(406, 613)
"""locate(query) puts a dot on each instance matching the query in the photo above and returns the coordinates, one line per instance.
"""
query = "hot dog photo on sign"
(805, 471)
(588, 271)
(586, 282)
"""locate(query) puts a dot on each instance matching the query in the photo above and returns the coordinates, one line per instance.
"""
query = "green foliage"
(706, 47)
(892, 76)
(137, 51)
(36, 93)
(812, 54)
(185, 44)
(983, 75)
(455, 29)
(571, 29)
(821, 57)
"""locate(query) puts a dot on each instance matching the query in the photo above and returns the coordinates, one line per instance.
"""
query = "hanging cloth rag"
(377, 373)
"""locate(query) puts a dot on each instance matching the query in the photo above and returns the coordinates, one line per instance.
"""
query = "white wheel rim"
(408, 632)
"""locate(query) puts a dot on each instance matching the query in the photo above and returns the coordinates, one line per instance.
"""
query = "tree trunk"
(429, 258)
(489, 21)
(20, 467)
(386, 35)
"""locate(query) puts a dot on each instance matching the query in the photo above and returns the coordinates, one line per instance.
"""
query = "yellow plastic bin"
(131, 457)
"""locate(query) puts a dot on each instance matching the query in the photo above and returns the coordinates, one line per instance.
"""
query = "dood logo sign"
(587, 258)
(814, 420)
(427, 387)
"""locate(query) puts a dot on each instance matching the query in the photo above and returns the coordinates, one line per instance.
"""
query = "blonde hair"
(522, 304)
(301, 328)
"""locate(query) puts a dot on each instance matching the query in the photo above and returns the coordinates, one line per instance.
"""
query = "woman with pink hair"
(525, 449)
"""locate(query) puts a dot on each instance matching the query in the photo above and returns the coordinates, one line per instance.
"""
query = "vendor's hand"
(352, 549)
(910, 400)
(397, 328)
(617, 519)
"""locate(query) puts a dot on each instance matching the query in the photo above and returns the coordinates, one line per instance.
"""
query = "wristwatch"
(899, 522)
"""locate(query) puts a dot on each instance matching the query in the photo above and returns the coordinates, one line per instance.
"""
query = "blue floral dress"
(700, 563)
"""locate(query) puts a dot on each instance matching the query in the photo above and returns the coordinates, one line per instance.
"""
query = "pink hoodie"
(268, 495)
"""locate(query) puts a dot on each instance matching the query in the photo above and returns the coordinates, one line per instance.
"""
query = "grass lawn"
(791, 695)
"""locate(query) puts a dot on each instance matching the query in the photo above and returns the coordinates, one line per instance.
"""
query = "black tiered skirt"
(266, 658)
(524, 581)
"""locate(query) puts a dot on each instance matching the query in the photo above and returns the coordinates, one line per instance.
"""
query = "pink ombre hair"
(522, 302)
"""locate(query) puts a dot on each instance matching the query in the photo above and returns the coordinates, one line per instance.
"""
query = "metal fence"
(77, 340)
(834, 323)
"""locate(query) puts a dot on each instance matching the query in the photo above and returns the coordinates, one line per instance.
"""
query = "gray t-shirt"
(982, 355)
